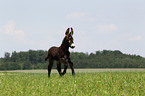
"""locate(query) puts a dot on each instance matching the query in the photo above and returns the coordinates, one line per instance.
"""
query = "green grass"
(107, 83)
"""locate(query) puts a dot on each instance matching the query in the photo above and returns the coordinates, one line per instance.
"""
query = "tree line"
(34, 59)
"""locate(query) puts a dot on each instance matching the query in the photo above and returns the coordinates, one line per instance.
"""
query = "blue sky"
(98, 25)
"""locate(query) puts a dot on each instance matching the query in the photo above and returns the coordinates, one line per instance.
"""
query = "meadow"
(86, 82)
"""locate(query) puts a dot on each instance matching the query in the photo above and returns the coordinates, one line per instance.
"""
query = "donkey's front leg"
(65, 65)
(59, 68)
(71, 66)
(65, 68)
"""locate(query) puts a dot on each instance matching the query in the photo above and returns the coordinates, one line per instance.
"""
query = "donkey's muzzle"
(72, 45)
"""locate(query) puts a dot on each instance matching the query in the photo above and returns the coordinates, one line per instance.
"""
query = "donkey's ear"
(67, 32)
(72, 32)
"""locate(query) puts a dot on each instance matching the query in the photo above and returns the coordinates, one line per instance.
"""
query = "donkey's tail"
(46, 58)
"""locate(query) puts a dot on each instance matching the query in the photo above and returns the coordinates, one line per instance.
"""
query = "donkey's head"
(69, 38)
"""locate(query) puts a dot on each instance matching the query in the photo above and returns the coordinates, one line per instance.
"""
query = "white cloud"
(10, 29)
(77, 16)
(106, 28)
(136, 38)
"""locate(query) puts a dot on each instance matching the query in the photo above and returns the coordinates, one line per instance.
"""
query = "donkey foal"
(61, 54)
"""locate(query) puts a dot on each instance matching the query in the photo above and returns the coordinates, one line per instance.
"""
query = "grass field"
(87, 82)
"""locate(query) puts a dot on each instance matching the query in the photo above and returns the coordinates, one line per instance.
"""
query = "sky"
(98, 25)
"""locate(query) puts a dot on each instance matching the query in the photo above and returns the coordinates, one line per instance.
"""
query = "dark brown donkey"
(61, 54)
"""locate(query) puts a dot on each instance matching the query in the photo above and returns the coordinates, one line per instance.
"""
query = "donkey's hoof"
(73, 74)
(48, 76)
(61, 74)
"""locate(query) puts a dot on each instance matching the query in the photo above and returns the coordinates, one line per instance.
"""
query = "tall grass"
(82, 84)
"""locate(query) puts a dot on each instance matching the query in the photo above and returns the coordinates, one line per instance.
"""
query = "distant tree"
(101, 59)
(14, 56)
(27, 65)
(7, 56)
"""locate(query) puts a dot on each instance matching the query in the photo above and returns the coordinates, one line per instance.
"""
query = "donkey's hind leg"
(49, 67)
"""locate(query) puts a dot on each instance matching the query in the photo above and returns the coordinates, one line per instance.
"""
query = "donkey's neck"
(64, 46)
